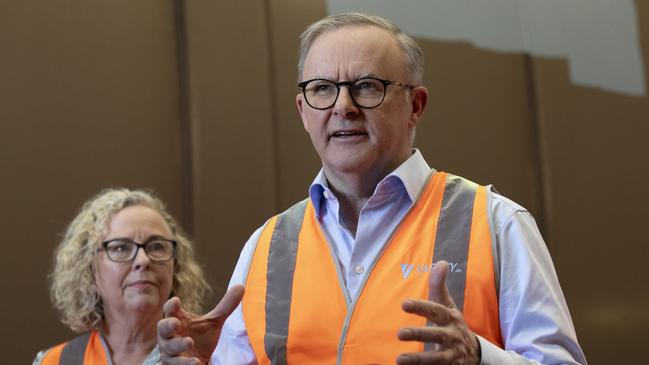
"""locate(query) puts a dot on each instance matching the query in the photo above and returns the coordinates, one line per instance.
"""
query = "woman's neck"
(130, 339)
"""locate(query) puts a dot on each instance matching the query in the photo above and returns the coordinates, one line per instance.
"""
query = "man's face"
(353, 140)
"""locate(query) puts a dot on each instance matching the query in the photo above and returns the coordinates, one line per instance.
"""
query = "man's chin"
(350, 164)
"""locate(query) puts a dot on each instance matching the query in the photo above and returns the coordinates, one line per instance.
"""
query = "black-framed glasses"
(366, 92)
(124, 250)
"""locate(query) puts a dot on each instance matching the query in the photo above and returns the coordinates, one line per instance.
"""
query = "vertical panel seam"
(273, 107)
(184, 117)
(538, 153)
(538, 145)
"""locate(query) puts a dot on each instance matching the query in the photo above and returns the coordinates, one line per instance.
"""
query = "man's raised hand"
(452, 340)
(185, 338)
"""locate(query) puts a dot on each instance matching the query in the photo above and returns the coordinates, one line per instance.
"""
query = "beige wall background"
(195, 100)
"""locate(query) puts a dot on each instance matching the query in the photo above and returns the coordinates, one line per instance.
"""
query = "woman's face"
(140, 285)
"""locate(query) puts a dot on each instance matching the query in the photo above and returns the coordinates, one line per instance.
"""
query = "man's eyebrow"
(358, 77)
(371, 74)
(323, 77)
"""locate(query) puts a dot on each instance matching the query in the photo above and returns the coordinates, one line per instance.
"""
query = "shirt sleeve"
(534, 319)
(39, 357)
(234, 346)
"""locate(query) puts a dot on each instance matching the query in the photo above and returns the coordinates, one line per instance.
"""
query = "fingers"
(172, 307)
(450, 338)
(228, 304)
(434, 312)
(426, 334)
(170, 345)
(168, 327)
(179, 361)
(438, 290)
(175, 346)
(420, 358)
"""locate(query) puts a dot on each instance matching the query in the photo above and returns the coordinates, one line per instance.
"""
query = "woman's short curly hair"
(73, 291)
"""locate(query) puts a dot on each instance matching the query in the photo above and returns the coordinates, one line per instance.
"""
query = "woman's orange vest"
(85, 349)
(296, 309)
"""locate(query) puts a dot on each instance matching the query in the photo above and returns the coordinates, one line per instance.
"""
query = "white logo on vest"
(406, 269)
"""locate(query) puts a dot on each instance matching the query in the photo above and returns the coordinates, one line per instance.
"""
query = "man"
(346, 276)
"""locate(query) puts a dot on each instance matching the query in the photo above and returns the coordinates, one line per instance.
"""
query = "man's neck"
(354, 189)
(352, 192)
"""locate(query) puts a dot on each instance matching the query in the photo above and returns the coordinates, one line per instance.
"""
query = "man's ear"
(299, 102)
(419, 96)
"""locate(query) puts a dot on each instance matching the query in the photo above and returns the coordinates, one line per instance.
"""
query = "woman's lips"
(141, 283)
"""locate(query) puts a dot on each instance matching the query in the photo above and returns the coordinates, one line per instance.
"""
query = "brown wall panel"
(595, 152)
(231, 129)
(595, 148)
(88, 100)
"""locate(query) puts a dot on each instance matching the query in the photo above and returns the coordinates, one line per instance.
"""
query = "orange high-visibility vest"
(296, 310)
(85, 349)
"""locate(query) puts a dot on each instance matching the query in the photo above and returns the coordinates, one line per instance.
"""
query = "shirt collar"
(412, 175)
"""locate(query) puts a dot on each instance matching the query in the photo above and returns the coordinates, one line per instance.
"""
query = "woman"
(121, 258)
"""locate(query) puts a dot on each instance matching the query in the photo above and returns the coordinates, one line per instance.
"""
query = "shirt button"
(326, 194)
(359, 269)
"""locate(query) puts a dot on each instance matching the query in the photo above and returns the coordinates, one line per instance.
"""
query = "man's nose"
(345, 106)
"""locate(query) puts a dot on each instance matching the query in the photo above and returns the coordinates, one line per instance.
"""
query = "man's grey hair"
(414, 56)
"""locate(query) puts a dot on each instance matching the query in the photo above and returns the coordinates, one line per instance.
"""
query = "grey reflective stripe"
(281, 267)
(74, 351)
(253, 249)
(453, 233)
